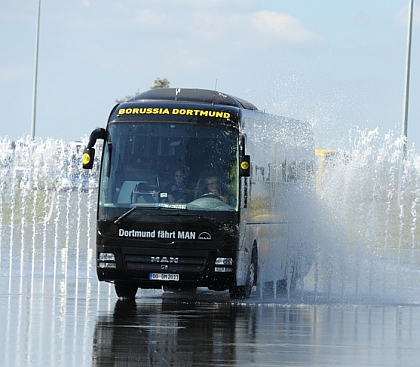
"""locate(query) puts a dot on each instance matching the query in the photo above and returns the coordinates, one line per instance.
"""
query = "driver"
(213, 188)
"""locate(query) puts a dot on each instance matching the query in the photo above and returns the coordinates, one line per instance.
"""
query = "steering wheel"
(210, 195)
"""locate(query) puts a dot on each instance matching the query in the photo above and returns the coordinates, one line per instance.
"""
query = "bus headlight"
(106, 256)
(106, 260)
(220, 269)
(224, 261)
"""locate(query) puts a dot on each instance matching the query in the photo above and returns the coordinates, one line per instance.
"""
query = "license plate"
(161, 276)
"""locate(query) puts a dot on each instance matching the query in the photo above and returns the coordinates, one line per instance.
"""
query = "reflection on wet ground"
(57, 322)
(55, 313)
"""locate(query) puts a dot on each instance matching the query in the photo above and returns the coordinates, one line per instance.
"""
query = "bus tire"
(126, 290)
(244, 291)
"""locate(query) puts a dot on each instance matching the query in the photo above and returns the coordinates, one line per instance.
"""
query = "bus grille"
(173, 264)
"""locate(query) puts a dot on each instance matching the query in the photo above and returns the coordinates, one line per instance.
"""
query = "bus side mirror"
(88, 158)
(245, 166)
(89, 152)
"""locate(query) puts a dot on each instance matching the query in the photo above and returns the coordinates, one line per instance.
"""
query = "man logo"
(164, 267)
(204, 236)
(164, 259)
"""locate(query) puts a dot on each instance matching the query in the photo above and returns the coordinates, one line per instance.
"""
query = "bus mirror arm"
(89, 151)
(245, 166)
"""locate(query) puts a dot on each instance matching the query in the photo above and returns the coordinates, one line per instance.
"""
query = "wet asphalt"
(54, 312)
(58, 322)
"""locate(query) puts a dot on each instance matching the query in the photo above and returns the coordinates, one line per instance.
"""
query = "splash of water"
(369, 240)
(366, 243)
(46, 209)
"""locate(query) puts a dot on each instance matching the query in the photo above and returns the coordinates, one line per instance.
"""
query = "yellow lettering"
(174, 111)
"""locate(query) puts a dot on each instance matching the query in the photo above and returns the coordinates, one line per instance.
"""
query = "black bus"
(200, 189)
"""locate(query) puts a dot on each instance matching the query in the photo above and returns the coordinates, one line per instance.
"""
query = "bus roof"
(193, 95)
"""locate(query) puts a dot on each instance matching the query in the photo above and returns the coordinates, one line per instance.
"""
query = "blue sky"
(337, 64)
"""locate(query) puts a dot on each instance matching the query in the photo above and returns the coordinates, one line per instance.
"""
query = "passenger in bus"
(178, 191)
(213, 188)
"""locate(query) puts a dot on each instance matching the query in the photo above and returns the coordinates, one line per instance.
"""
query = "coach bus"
(201, 189)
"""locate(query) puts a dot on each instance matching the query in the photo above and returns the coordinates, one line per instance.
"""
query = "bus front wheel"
(126, 290)
(244, 291)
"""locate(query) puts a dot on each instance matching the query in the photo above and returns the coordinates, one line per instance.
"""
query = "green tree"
(121, 100)
(159, 83)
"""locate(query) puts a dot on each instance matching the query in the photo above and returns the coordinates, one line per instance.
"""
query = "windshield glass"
(174, 166)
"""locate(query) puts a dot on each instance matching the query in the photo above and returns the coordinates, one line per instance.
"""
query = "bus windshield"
(169, 165)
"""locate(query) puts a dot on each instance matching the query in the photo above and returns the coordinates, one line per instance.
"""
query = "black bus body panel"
(167, 248)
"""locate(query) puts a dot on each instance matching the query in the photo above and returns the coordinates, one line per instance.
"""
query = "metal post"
(35, 73)
(407, 79)
(405, 113)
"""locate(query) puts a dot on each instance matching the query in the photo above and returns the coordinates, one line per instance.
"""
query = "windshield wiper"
(177, 214)
(155, 206)
(126, 214)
